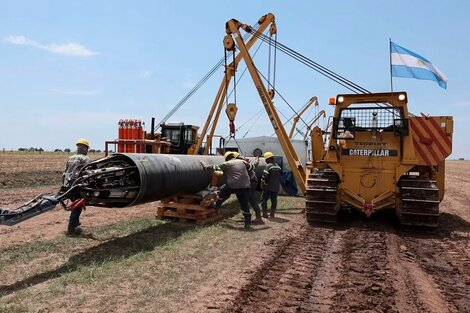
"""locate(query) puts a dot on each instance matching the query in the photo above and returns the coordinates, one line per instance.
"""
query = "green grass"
(13, 308)
(141, 261)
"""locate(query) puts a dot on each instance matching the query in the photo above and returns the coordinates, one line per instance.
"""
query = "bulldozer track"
(365, 277)
(284, 282)
(419, 202)
(321, 197)
(446, 264)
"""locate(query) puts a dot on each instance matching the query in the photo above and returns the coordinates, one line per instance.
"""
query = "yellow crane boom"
(302, 111)
(214, 113)
(233, 36)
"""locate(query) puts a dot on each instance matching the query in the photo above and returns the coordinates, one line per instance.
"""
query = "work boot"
(247, 226)
(257, 221)
(74, 231)
(271, 213)
(265, 214)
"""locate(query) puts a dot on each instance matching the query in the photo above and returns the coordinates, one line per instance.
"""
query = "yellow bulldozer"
(379, 157)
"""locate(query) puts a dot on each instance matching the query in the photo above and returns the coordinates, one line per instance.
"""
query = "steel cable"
(198, 85)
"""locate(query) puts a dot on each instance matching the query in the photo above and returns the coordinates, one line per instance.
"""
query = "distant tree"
(57, 150)
(32, 149)
(67, 150)
(92, 150)
(98, 151)
(22, 149)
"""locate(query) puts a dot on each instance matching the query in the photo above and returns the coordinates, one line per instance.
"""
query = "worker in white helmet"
(74, 164)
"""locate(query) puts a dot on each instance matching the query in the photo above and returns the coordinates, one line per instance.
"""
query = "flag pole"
(391, 77)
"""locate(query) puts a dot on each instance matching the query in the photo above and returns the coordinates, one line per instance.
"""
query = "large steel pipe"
(166, 175)
(130, 179)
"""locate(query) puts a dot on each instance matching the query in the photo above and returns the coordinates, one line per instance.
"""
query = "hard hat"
(268, 155)
(236, 154)
(227, 154)
(83, 141)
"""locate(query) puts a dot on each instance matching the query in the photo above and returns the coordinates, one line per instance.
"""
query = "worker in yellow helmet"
(74, 164)
(270, 183)
(237, 182)
(253, 199)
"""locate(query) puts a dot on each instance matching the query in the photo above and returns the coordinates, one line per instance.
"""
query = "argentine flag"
(406, 63)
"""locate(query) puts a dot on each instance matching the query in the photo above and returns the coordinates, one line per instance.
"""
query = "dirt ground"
(360, 265)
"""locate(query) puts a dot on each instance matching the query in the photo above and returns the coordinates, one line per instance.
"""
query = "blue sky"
(71, 69)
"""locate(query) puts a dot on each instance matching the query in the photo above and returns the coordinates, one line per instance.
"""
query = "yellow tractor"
(379, 157)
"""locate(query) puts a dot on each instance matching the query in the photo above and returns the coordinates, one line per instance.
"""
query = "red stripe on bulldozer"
(421, 152)
(441, 133)
(432, 134)
(422, 144)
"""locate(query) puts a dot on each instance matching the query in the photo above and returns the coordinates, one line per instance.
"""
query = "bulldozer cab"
(370, 125)
(370, 118)
(182, 137)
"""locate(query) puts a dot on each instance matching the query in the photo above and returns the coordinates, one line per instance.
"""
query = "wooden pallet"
(196, 208)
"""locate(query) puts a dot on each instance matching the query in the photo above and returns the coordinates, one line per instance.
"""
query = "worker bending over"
(74, 164)
(253, 199)
(270, 183)
(237, 182)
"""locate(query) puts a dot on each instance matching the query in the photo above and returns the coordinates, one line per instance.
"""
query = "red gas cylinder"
(120, 136)
(134, 130)
(125, 133)
(138, 136)
(124, 129)
(130, 133)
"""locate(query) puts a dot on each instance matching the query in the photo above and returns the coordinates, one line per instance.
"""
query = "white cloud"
(68, 48)
(463, 104)
(144, 74)
(188, 84)
(81, 93)
(137, 75)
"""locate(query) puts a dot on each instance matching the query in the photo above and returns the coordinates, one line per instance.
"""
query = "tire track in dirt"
(284, 282)
(366, 279)
(416, 291)
(442, 264)
(323, 289)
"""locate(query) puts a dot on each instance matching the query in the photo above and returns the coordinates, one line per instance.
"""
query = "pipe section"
(129, 179)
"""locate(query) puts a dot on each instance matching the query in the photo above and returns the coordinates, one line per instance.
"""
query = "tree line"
(67, 150)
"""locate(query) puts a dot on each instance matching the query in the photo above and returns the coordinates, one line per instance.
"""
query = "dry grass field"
(126, 260)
